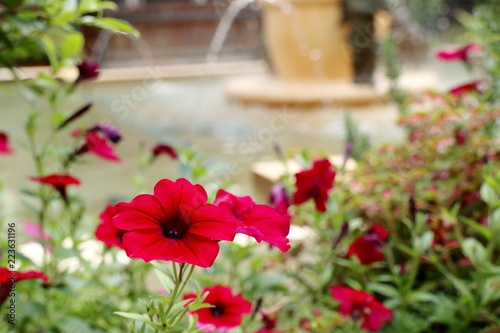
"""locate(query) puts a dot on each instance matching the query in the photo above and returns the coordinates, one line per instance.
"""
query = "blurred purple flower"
(279, 198)
(109, 131)
(87, 70)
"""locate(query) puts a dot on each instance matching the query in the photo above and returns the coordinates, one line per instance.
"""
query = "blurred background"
(207, 75)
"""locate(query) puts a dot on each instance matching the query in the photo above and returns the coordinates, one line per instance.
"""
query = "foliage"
(33, 30)
(438, 165)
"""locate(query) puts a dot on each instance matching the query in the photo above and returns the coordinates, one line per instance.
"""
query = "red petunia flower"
(458, 54)
(165, 149)
(59, 182)
(368, 247)
(261, 222)
(97, 145)
(4, 144)
(106, 231)
(175, 224)
(314, 184)
(279, 198)
(87, 70)
(360, 305)
(471, 87)
(7, 278)
(227, 311)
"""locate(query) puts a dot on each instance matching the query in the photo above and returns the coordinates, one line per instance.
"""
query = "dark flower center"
(217, 311)
(171, 233)
(176, 226)
(119, 235)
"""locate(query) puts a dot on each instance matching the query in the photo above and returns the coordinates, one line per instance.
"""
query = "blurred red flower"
(227, 311)
(106, 230)
(87, 70)
(458, 54)
(471, 87)
(368, 247)
(261, 222)
(7, 278)
(314, 184)
(269, 320)
(59, 182)
(98, 145)
(4, 144)
(165, 149)
(360, 305)
(173, 224)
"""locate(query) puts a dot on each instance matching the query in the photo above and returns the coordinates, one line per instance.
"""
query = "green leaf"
(87, 7)
(475, 251)
(423, 296)
(135, 316)
(483, 230)
(423, 243)
(165, 281)
(70, 6)
(495, 221)
(50, 50)
(111, 24)
(72, 45)
(488, 194)
(384, 289)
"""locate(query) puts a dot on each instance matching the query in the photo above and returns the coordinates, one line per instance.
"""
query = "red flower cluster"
(227, 311)
(4, 144)
(7, 278)
(368, 247)
(362, 306)
(177, 224)
(315, 184)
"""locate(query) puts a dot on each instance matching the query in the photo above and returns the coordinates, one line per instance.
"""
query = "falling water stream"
(223, 28)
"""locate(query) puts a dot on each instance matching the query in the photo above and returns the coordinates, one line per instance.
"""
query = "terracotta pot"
(306, 39)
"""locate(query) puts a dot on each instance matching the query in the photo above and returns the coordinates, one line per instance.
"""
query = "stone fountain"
(310, 58)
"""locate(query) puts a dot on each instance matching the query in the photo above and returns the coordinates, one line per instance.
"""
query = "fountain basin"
(272, 91)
